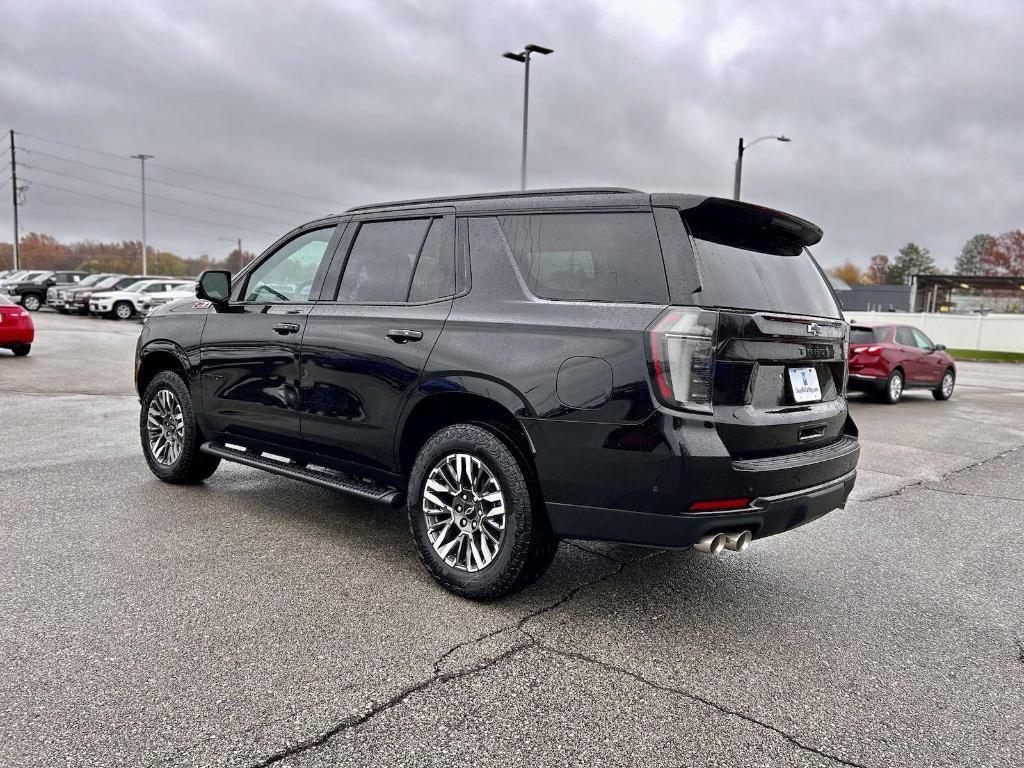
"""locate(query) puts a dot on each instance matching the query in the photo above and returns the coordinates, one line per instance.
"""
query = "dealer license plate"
(804, 384)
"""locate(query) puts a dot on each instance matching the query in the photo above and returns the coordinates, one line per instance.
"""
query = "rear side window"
(381, 261)
(747, 279)
(435, 268)
(589, 256)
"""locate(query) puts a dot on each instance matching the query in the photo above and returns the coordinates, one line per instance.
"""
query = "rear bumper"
(766, 516)
(859, 382)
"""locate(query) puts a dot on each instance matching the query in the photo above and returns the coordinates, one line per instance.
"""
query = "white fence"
(993, 333)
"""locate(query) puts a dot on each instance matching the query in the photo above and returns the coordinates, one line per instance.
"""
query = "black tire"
(31, 301)
(893, 391)
(20, 350)
(62, 310)
(123, 310)
(527, 547)
(190, 465)
(941, 392)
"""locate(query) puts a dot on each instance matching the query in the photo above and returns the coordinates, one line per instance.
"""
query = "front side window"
(922, 341)
(589, 256)
(381, 261)
(904, 336)
(287, 275)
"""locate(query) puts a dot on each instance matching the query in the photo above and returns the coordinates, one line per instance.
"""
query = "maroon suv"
(888, 359)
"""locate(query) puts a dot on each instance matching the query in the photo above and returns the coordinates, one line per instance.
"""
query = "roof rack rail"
(495, 195)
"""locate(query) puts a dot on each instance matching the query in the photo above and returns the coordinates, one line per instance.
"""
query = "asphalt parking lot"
(255, 620)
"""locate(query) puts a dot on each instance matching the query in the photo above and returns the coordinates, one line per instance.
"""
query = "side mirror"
(939, 347)
(214, 285)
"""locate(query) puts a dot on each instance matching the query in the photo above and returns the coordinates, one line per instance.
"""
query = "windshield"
(16, 275)
(33, 276)
(90, 280)
(746, 279)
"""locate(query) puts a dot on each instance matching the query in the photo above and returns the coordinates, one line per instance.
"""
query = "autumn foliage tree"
(1004, 255)
(848, 272)
(40, 251)
(878, 270)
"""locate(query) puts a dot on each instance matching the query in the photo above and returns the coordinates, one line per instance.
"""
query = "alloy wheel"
(123, 311)
(947, 385)
(464, 508)
(31, 303)
(895, 387)
(165, 427)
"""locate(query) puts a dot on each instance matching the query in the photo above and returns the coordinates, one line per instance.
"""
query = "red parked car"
(889, 359)
(16, 329)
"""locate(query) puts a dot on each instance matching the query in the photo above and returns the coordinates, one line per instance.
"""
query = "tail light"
(682, 362)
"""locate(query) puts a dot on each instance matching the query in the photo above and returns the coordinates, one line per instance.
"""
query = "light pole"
(524, 57)
(739, 161)
(142, 159)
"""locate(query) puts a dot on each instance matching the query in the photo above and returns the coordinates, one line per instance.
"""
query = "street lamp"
(739, 160)
(524, 58)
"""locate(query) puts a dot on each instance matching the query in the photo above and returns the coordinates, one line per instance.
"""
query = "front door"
(368, 338)
(931, 365)
(249, 355)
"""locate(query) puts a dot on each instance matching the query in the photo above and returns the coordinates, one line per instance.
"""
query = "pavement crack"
(387, 704)
(589, 551)
(439, 677)
(974, 495)
(1020, 649)
(923, 483)
(694, 697)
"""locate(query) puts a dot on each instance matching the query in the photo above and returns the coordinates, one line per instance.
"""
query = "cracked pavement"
(256, 621)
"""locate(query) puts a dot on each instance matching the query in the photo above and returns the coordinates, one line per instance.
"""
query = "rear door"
(249, 358)
(384, 302)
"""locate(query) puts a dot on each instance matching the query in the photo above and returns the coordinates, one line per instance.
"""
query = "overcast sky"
(906, 118)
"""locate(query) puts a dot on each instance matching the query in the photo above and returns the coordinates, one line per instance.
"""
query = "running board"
(323, 477)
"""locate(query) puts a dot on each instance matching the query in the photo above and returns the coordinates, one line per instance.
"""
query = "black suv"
(657, 369)
(31, 292)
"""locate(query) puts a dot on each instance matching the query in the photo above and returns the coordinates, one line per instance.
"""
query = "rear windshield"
(745, 279)
(861, 335)
(589, 256)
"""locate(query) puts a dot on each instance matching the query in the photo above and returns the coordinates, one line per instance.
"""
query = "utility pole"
(241, 258)
(524, 58)
(14, 199)
(142, 159)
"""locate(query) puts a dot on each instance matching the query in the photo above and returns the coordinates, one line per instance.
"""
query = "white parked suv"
(134, 299)
(155, 300)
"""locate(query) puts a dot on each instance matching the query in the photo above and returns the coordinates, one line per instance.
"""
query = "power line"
(158, 197)
(179, 170)
(166, 183)
(138, 207)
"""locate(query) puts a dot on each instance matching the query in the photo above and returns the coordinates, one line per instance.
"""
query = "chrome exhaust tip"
(711, 544)
(737, 542)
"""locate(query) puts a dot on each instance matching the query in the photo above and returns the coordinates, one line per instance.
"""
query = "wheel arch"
(437, 410)
(159, 356)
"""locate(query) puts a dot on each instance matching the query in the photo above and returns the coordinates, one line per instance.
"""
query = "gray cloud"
(905, 116)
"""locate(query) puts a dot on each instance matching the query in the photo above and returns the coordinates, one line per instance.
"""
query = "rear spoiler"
(742, 225)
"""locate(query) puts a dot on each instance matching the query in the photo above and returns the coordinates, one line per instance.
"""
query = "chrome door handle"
(402, 335)
(285, 328)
